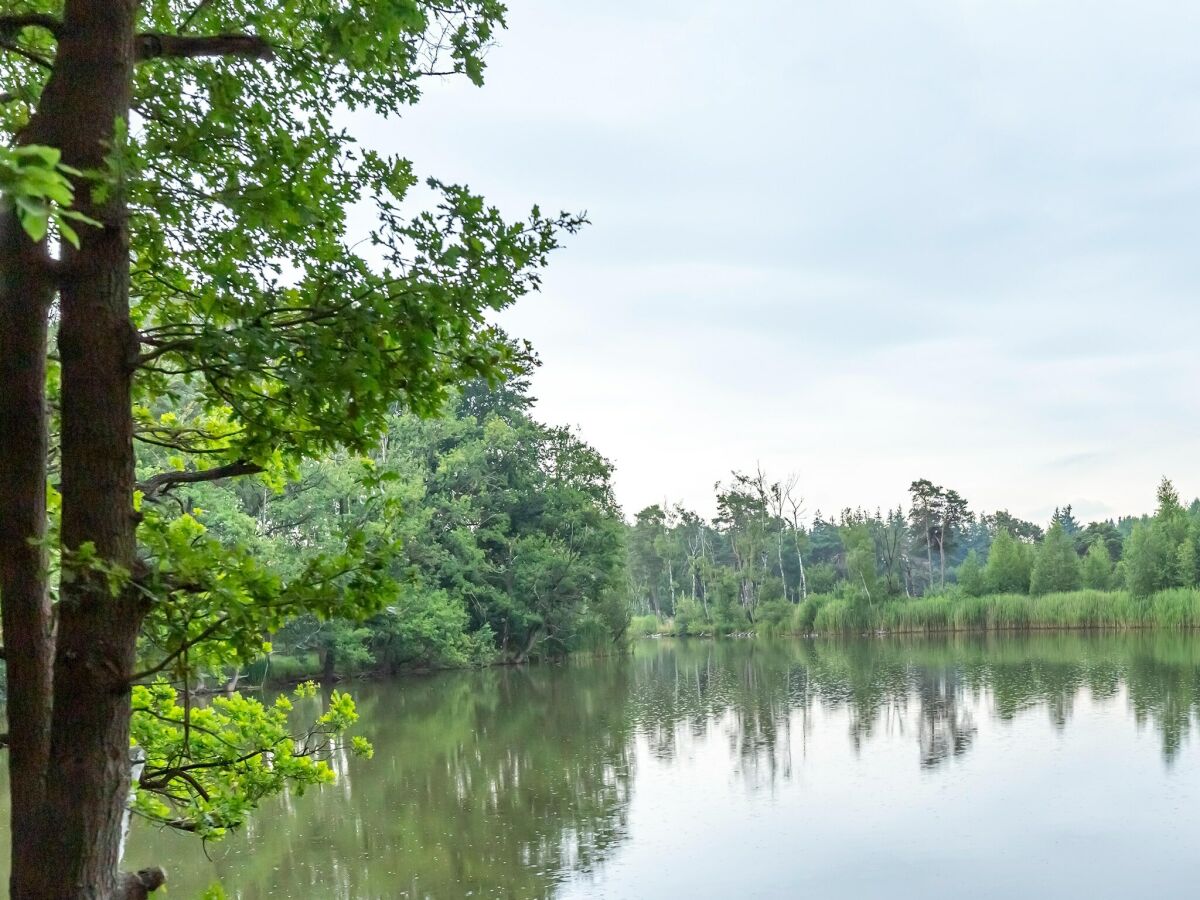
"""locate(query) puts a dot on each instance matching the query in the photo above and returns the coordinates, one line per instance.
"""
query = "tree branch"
(140, 885)
(165, 481)
(153, 46)
(202, 636)
(34, 58)
(196, 10)
(159, 779)
(10, 25)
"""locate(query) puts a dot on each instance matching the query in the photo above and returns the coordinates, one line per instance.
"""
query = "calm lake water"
(1050, 765)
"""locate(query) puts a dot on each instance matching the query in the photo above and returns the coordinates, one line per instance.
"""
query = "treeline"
(758, 559)
(498, 536)
(498, 539)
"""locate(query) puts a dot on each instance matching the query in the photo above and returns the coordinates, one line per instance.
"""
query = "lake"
(1047, 765)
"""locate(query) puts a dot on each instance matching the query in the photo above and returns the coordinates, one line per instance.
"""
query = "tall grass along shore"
(1175, 608)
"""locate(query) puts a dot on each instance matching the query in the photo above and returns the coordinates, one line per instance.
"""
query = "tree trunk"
(779, 553)
(25, 296)
(803, 578)
(77, 858)
(942, 561)
(929, 555)
(534, 635)
(328, 665)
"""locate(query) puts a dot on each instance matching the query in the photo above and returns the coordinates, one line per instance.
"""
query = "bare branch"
(165, 481)
(34, 58)
(175, 46)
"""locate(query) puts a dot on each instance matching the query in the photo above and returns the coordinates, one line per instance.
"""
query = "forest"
(506, 544)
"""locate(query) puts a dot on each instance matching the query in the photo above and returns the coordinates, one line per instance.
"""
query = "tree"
(1105, 531)
(925, 517)
(1160, 552)
(956, 517)
(795, 507)
(1065, 518)
(1149, 560)
(1008, 565)
(646, 564)
(1022, 530)
(1056, 564)
(971, 576)
(890, 538)
(1097, 567)
(744, 517)
(861, 570)
(220, 263)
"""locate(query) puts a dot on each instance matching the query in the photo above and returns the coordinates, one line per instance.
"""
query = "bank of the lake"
(956, 612)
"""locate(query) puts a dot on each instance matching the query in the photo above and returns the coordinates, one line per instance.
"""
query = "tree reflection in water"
(511, 782)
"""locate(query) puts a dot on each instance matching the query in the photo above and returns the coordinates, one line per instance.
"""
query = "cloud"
(865, 241)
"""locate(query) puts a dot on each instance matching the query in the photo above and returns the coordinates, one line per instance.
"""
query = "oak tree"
(175, 228)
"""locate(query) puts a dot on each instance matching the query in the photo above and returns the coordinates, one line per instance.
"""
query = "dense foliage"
(504, 540)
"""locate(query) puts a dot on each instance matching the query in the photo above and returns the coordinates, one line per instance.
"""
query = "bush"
(689, 618)
(804, 616)
(774, 617)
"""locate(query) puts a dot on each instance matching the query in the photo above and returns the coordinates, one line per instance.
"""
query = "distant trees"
(740, 568)
(1105, 532)
(646, 561)
(939, 517)
(1163, 551)
(1003, 520)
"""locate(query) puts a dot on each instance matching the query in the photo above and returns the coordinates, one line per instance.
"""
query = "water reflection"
(522, 782)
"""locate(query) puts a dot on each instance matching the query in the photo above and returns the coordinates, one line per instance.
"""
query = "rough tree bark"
(69, 847)
(25, 296)
(69, 681)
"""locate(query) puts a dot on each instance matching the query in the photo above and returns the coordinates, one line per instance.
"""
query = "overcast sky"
(866, 241)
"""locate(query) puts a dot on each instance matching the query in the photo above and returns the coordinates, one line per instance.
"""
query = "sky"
(861, 241)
